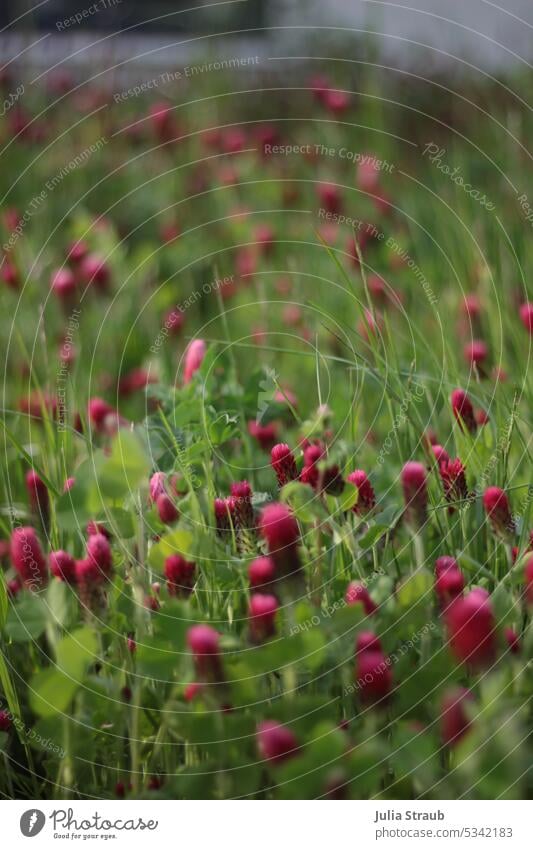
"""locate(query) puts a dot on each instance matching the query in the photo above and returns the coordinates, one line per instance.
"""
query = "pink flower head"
(373, 675)
(440, 454)
(180, 575)
(63, 283)
(194, 357)
(158, 483)
(28, 559)
(276, 742)
(261, 573)
(262, 616)
(449, 584)
(358, 594)
(204, 643)
(471, 629)
(167, 510)
(99, 553)
(454, 721)
(367, 641)
(463, 410)
(442, 564)
(496, 504)
(283, 463)
(367, 498)
(476, 353)
(63, 566)
(414, 485)
(368, 174)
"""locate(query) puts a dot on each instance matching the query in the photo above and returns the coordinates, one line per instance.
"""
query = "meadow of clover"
(266, 520)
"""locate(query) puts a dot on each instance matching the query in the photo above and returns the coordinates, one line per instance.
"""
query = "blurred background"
(434, 34)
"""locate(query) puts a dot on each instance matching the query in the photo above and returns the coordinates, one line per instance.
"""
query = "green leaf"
(62, 603)
(414, 588)
(51, 692)
(372, 536)
(125, 469)
(178, 541)
(76, 652)
(26, 619)
(303, 500)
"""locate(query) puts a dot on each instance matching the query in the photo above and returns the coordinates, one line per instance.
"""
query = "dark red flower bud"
(262, 616)
(98, 410)
(262, 573)
(180, 575)
(63, 566)
(528, 579)
(266, 435)
(331, 481)
(449, 584)
(442, 564)
(95, 271)
(512, 639)
(496, 504)
(330, 197)
(222, 514)
(174, 321)
(373, 674)
(28, 559)
(192, 691)
(204, 643)
(526, 316)
(90, 580)
(63, 283)
(414, 485)
(358, 594)
(476, 353)
(167, 510)
(367, 641)
(280, 529)
(454, 721)
(241, 505)
(367, 498)
(94, 528)
(276, 742)
(77, 252)
(283, 463)
(38, 495)
(452, 474)
(471, 628)
(463, 410)
(131, 644)
(5, 721)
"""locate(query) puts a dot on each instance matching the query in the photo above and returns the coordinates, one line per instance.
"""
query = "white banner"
(267, 825)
